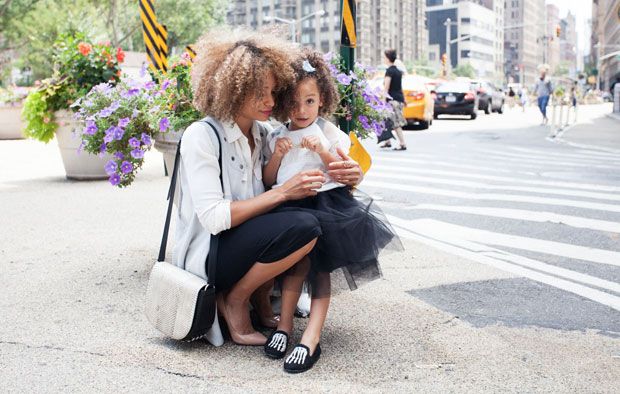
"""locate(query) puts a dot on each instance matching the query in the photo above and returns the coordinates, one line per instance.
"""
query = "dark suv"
(490, 98)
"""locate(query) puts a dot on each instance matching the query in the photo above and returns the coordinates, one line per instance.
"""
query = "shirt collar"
(233, 132)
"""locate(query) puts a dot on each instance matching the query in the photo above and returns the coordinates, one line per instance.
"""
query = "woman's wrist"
(278, 195)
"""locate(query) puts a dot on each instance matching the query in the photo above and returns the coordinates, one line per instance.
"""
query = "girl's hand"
(346, 171)
(283, 145)
(302, 185)
(313, 143)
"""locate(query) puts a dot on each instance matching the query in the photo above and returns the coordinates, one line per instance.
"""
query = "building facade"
(524, 39)
(476, 35)
(568, 44)
(381, 24)
(552, 47)
(606, 40)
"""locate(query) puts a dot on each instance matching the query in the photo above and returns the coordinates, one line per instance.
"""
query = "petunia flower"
(134, 142)
(115, 179)
(123, 122)
(146, 139)
(164, 123)
(110, 167)
(137, 153)
(126, 167)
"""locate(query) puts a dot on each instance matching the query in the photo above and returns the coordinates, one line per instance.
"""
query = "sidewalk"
(602, 131)
(74, 262)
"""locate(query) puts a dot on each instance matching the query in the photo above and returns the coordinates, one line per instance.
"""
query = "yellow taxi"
(419, 104)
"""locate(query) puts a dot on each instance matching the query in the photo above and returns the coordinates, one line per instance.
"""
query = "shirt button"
(241, 166)
(233, 158)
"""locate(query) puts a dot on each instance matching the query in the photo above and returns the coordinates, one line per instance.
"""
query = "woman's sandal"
(300, 359)
(401, 147)
(251, 339)
(276, 345)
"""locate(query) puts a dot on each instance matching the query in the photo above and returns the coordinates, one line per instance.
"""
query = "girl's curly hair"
(231, 66)
(324, 81)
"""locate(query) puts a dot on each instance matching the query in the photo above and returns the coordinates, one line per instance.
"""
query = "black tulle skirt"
(354, 232)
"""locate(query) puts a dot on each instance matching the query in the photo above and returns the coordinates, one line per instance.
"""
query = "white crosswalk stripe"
(482, 205)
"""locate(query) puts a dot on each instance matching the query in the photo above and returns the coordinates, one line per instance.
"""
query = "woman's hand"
(283, 145)
(346, 171)
(304, 184)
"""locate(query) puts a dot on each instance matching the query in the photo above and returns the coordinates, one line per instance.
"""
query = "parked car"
(455, 98)
(418, 101)
(490, 98)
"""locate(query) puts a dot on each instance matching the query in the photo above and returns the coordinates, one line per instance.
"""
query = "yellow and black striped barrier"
(191, 52)
(348, 35)
(155, 37)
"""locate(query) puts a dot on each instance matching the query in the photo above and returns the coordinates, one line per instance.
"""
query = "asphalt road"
(499, 191)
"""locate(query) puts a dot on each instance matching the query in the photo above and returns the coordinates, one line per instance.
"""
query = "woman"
(392, 85)
(237, 77)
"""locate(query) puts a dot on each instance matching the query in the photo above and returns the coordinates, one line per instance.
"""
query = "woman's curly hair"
(324, 81)
(231, 66)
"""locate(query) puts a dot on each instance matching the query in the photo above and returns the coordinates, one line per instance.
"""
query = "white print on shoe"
(278, 342)
(298, 356)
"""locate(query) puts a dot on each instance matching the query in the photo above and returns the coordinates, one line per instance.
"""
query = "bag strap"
(213, 249)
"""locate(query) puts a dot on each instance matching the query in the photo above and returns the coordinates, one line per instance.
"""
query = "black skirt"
(354, 232)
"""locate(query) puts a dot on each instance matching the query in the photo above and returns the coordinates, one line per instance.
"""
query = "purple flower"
(115, 179)
(164, 123)
(119, 155)
(134, 142)
(343, 79)
(114, 106)
(130, 93)
(165, 85)
(104, 113)
(109, 135)
(102, 148)
(135, 113)
(110, 167)
(146, 139)
(149, 85)
(126, 167)
(364, 121)
(123, 122)
(91, 127)
(143, 70)
(328, 56)
(118, 133)
(333, 69)
(104, 88)
(137, 153)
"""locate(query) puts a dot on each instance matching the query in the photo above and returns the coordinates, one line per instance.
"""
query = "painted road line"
(522, 214)
(546, 160)
(425, 171)
(484, 157)
(594, 153)
(382, 174)
(439, 229)
(467, 252)
(494, 196)
(426, 163)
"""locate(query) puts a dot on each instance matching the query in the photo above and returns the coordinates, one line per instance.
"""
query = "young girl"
(353, 228)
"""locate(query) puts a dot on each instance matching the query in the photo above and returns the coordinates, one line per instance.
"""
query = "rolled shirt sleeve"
(200, 164)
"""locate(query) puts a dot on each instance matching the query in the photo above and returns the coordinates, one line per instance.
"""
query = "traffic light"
(558, 30)
(444, 59)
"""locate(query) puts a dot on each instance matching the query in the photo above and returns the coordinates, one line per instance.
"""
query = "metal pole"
(598, 68)
(348, 58)
(449, 62)
(293, 31)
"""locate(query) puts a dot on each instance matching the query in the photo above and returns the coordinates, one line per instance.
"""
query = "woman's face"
(307, 104)
(259, 107)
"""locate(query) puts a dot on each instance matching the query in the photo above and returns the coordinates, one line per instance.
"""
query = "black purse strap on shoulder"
(213, 248)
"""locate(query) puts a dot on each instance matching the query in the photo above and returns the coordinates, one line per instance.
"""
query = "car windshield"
(457, 87)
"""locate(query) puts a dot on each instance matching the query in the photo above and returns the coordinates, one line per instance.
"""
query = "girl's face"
(307, 104)
(260, 107)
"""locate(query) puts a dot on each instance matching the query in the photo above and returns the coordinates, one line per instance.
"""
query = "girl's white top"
(301, 159)
(203, 207)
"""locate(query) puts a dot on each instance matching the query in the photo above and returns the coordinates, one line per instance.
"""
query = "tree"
(464, 70)
(421, 67)
(29, 27)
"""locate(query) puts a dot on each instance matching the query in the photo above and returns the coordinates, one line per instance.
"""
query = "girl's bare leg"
(234, 305)
(318, 313)
(291, 289)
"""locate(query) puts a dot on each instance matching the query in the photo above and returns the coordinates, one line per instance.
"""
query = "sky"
(582, 9)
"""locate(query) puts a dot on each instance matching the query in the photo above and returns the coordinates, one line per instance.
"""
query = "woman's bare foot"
(237, 317)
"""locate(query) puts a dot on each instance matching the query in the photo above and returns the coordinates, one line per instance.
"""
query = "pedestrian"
(524, 98)
(392, 84)
(543, 90)
(511, 97)
(236, 78)
(354, 230)
(573, 100)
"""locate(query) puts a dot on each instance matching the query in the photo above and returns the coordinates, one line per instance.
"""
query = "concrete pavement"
(74, 261)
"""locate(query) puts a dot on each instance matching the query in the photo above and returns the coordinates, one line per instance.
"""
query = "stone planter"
(78, 166)
(167, 143)
(11, 125)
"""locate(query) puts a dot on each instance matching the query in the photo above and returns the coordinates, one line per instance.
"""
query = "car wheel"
(424, 124)
(435, 116)
(473, 115)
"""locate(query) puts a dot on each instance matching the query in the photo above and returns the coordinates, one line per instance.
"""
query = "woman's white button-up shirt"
(203, 207)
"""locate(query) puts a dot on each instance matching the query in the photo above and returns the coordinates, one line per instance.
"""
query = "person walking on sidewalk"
(543, 90)
(236, 79)
(394, 89)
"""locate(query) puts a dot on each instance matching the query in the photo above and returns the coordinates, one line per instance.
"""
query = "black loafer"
(300, 359)
(276, 345)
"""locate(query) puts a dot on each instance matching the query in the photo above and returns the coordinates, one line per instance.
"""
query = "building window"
(465, 54)
(465, 20)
